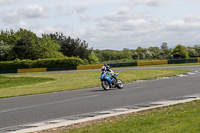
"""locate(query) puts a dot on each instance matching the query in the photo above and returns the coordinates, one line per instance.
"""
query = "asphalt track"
(29, 109)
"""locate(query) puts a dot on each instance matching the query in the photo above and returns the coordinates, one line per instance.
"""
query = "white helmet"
(103, 68)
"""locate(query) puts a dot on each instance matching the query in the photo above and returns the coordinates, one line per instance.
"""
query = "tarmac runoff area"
(70, 120)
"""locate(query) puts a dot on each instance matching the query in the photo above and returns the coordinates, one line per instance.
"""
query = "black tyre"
(105, 84)
(119, 84)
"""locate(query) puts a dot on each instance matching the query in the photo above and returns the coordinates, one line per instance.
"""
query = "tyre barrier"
(123, 64)
(198, 59)
(8, 71)
(61, 68)
(31, 70)
(159, 62)
(180, 61)
(85, 67)
(89, 67)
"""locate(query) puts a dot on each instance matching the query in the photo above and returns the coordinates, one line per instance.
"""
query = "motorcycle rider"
(106, 68)
(103, 69)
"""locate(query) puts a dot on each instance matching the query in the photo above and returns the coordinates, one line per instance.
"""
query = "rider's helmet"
(103, 68)
(107, 67)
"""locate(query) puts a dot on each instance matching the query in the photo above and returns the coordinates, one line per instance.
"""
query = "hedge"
(53, 62)
(57, 62)
(7, 65)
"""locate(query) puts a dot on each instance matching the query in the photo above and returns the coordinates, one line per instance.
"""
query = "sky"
(108, 24)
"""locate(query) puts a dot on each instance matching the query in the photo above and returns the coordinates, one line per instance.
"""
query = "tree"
(93, 58)
(164, 46)
(135, 55)
(4, 50)
(180, 49)
(29, 46)
(141, 52)
(192, 52)
(197, 49)
(24, 44)
(165, 54)
(23, 47)
(71, 47)
(126, 54)
(46, 48)
(8, 37)
(155, 51)
(148, 55)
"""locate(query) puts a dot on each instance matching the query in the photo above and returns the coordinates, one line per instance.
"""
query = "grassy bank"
(26, 85)
(181, 118)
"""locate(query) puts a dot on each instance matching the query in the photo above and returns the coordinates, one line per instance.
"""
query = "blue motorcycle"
(109, 80)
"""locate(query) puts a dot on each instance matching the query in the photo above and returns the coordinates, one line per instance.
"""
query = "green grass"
(73, 81)
(6, 82)
(181, 118)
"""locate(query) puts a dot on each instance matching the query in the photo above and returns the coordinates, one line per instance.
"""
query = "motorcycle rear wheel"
(105, 84)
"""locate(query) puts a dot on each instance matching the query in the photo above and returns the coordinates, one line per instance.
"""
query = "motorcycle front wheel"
(119, 84)
(105, 84)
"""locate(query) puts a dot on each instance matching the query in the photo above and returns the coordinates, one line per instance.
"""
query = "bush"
(41, 63)
(7, 65)
(180, 49)
(57, 62)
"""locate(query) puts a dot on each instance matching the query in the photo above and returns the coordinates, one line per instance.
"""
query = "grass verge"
(180, 118)
(73, 81)
(6, 82)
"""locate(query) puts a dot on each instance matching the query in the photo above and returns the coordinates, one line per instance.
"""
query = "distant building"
(176, 56)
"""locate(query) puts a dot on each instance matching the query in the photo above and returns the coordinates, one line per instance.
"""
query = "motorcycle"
(109, 80)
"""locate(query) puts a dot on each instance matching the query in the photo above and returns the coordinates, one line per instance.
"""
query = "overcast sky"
(108, 24)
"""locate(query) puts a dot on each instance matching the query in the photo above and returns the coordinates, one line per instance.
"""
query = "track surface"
(35, 108)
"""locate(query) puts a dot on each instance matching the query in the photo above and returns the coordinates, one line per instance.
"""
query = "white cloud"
(82, 7)
(146, 2)
(23, 25)
(117, 28)
(136, 22)
(122, 15)
(189, 23)
(177, 23)
(53, 29)
(33, 11)
(125, 28)
(11, 17)
(193, 0)
(26, 12)
(84, 17)
(191, 18)
(7, 1)
(62, 10)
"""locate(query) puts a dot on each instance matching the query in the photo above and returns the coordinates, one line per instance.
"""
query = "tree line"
(151, 53)
(24, 44)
